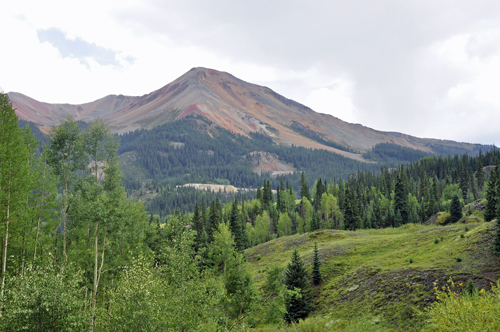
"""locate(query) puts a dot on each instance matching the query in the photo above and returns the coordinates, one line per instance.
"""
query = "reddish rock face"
(225, 100)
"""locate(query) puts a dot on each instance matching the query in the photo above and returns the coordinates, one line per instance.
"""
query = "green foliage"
(317, 277)
(443, 218)
(45, 298)
(455, 210)
(393, 154)
(300, 305)
(464, 312)
(492, 195)
(16, 183)
(275, 294)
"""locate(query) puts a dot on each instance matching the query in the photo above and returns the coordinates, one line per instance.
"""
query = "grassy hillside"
(379, 280)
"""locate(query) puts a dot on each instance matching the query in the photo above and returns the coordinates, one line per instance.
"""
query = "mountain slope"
(387, 273)
(230, 103)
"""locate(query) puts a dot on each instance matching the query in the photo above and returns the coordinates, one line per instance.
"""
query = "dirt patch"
(215, 187)
(265, 162)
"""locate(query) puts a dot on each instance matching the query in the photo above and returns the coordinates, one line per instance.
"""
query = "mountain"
(233, 104)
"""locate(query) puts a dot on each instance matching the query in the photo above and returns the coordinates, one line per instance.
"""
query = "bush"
(464, 312)
(436, 241)
(458, 258)
(443, 218)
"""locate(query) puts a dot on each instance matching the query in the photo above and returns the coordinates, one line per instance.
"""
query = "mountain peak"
(226, 101)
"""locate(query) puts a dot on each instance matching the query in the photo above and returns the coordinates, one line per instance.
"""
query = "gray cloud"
(380, 45)
(81, 49)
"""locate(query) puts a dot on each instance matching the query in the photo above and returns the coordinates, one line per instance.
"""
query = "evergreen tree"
(235, 227)
(298, 306)
(204, 217)
(304, 188)
(198, 226)
(480, 176)
(351, 214)
(496, 241)
(213, 221)
(398, 219)
(455, 209)
(401, 199)
(315, 222)
(464, 177)
(492, 195)
(319, 190)
(316, 273)
(473, 186)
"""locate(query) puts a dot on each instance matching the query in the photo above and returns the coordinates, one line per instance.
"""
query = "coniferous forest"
(80, 252)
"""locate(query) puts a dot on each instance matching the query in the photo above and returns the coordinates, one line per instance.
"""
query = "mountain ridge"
(230, 103)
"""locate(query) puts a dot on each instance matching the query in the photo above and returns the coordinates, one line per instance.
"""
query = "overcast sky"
(425, 68)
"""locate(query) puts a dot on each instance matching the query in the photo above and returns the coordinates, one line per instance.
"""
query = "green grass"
(368, 277)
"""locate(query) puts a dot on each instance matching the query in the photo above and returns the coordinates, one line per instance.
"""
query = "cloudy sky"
(425, 68)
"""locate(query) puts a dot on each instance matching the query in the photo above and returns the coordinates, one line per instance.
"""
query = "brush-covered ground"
(383, 280)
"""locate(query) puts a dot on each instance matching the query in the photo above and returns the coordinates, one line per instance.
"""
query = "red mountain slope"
(229, 102)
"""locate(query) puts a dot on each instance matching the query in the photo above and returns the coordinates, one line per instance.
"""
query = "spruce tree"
(496, 241)
(455, 209)
(351, 214)
(401, 199)
(213, 222)
(304, 188)
(235, 227)
(316, 273)
(464, 178)
(480, 173)
(298, 307)
(198, 226)
(492, 196)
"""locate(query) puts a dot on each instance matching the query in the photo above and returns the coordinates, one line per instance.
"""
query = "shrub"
(436, 241)
(466, 228)
(462, 235)
(410, 260)
(443, 218)
(458, 258)
(464, 312)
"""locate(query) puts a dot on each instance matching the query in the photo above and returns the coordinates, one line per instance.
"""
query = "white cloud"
(335, 99)
(424, 68)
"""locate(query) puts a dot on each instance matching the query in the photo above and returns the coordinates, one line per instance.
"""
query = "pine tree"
(480, 173)
(298, 307)
(492, 195)
(304, 188)
(315, 222)
(464, 178)
(496, 241)
(319, 190)
(198, 226)
(401, 199)
(316, 273)
(235, 227)
(213, 222)
(351, 214)
(455, 209)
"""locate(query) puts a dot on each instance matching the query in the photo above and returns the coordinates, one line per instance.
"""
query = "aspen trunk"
(4, 247)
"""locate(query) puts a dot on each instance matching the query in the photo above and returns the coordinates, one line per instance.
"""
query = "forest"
(79, 254)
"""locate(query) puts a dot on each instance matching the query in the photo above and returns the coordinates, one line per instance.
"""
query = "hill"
(232, 104)
(379, 280)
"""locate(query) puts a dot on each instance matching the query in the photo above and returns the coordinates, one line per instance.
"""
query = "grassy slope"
(368, 276)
